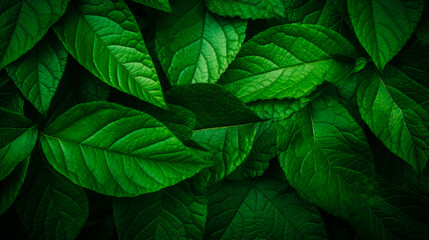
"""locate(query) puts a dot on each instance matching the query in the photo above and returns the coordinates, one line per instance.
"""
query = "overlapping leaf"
(396, 108)
(177, 212)
(49, 206)
(104, 37)
(38, 73)
(163, 5)
(23, 23)
(18, 136)
(383, 27)
(117, 151)
(196, 46)
(261, 209)
(248, 9)
(288, 61)
(10, 186)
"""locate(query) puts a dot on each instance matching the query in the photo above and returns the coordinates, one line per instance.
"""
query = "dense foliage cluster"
(215, 119)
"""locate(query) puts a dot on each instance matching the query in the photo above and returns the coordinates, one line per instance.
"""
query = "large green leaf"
(23, 23)
(104, 37)
(261, 209)
(195, 46)
(163, 5)
(18, 136)
(117, 151)
(38, 73)
(288, 61)
(10, 186)
(383, 27)
(326, 158)
(396, 108)
(49, 206)
(248, 9)
(177, 212)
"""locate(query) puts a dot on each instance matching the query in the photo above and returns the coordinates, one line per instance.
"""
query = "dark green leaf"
(163, 5)
(246, 9)
(38, 73)
(23, 23)
(10, 186)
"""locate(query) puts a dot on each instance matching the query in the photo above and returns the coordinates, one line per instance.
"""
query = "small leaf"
(383, 27)
(38, 73)
(49, 206)
(104, 37)
(261, 209)
(176, 212)
(163, 5)
(18, 135)
(288, 61)
(117, 151)
(23, 23)
(195, 46)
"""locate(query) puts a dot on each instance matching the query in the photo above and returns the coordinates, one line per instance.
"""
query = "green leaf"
(49, 206)
(177, 212)
(117, 151)
(212, 105)
(163, 5)
(195, 46)
(10, 99)
(261, 209)
(396, 109)
(383, 27)
(18, 136)
(248, 9)
(38, 73)
(90, 88)
(263, 150)
(326, 158)
(104, 37)
(10, 186)
(228, 147)
(23, 23)
(288, 61)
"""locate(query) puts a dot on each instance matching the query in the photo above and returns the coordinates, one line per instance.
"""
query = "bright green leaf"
(163, 5)
(288, 61)
(383, 27)
(117, 151)
(261, 209)
(49, 206)
(248, 9)
(396, 108)
(38, 73)
(104, 37)
(23, 23)
(196, 46)
(177, 212)
(18, 136)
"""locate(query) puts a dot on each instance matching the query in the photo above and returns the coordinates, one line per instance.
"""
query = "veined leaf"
(38, 73)
(49, 206)
(212, 105)
(195, 46)
(176, 212)
(396, 108)
(288, 61)
(10, 186)
(326, 158)
(248, 9)
(10, 99)
(117, 151)
(383, 27)
(263, 150)
(104, 37)
(261, 209)
(23, 23)
(18, 136)
(163, 5)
